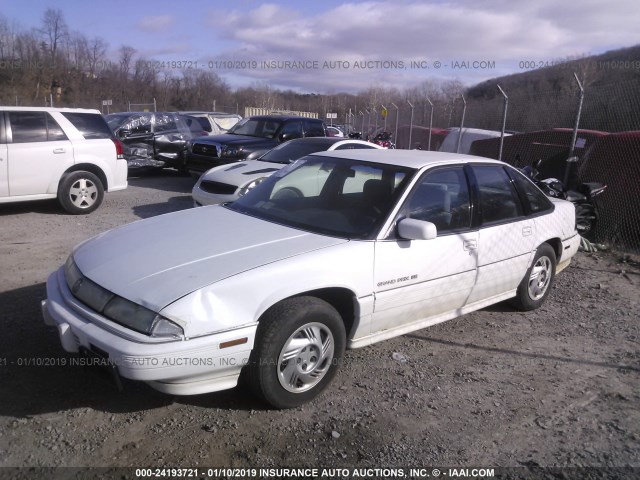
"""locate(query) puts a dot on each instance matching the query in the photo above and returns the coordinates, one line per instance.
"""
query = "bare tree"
(54, 29)
(126, 57)
(97, 51)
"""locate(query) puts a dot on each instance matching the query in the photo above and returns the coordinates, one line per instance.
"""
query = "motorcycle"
(384, 140)
(582, 197)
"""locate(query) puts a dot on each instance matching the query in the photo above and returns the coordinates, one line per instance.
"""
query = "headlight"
(116, 308)
(231, 151)
(251, 185)
(83, 289)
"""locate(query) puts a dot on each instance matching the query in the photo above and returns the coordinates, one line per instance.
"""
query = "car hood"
(239, 174)
(231, 139)
(156, 261)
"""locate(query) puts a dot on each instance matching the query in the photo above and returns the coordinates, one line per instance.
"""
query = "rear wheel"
(80, 192)
(536, 284)
(298, 346)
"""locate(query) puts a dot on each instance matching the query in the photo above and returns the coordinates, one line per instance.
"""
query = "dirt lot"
(555, 387)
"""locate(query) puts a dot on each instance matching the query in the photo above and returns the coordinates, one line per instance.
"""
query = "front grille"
(217, 187)
(203, 149)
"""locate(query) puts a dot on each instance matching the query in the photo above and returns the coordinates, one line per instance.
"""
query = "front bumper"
(186, 367)
(198, 164)
(201, 198)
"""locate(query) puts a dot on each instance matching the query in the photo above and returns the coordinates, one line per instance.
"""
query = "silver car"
(226, 183)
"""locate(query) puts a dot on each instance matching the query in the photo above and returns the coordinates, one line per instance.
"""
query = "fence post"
(397, 114)
(375, 112)
(430, 124)
(384, 109)
(362, 113)
(464, 110)
(155, 108)
(574, 137)
(410, 123)
(504, 121)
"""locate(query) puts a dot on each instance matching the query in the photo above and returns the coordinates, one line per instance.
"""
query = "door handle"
(59, 150)
(470, 245)
(526, 231)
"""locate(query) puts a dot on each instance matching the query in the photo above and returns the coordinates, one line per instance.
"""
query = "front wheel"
(536, 284)
(299, 344)
(80, 192)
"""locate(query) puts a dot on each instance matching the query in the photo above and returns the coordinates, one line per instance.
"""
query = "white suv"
(64, 153)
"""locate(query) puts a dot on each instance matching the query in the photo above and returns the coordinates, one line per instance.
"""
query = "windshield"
(329, 196)
(288, 152)
(256, 127)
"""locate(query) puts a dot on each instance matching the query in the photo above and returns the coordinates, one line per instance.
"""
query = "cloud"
(499, 33)
(158, 23)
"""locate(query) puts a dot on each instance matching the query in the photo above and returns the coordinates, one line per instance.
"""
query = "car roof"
(202, 112)
(324, 140)
(283, 117)
(49, 109)
(405, 158)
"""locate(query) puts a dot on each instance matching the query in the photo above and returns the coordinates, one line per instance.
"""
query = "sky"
(329, 46)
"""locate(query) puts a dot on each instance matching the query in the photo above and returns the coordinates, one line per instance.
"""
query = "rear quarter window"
(90, 125)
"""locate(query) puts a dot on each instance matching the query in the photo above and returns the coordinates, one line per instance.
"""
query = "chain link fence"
(598, 124)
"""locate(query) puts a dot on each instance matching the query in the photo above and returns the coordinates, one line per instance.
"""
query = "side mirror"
(123, 133)
(412, 229)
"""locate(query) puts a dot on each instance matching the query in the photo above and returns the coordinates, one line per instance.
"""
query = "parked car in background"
(469, 135)
(198, 125)
(377, 244)
(249, 135)
(228, 182)
(215, 123)
(333, 131)
(64, 153)
(154, 139)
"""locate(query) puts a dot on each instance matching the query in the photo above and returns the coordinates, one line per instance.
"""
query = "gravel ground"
(557, 387)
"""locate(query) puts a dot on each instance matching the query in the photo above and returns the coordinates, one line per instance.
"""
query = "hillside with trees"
(56, 63)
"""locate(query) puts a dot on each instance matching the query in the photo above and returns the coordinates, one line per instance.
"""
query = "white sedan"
(338, 250)
(226, 183)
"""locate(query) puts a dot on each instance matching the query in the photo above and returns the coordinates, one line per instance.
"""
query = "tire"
(537, 283)
(308, 331)
(80, 192)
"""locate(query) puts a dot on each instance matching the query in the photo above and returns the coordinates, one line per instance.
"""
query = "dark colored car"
(250, 135)
(154, 139)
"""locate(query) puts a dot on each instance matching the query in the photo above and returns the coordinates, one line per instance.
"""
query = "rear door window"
(54, 131)
(313, 128)
(293, 129)
(499, 201)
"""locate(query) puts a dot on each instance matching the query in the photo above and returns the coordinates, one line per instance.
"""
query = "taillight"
(119, 147)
